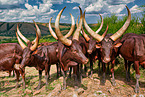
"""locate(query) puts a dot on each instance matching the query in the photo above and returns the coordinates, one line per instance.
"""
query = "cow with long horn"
(46, 55)
(69, 51)
(108, 44)
(28, 55)
(92, 52)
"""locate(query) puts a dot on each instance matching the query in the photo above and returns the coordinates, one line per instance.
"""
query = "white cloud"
(11, 2)
(135, 9)
(29, 7)
(31, 12)
(68, 1)
(109, 6)
(63, 17)
(75, 7)
(53, 1)
(115, 8)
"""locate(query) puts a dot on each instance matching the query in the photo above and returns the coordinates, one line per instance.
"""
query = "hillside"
(7, 30)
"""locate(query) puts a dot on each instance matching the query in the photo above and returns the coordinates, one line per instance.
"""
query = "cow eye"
(75, 51)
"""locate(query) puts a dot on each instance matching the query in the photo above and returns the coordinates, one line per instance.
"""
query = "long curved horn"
(104, 34)
(85, 35)
(20, 41)
(51, 30)
(38, 31)
(68, 34)
(63, 39)
(72, 27)
(34, 46)
(77, 31)
(83, 32)
(116, 35)
(91, 32)
(100, 25)
(21, 35)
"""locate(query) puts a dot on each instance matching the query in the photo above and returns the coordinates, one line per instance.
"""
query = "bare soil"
(90, 87)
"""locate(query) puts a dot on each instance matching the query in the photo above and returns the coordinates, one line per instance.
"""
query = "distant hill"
(8, 28)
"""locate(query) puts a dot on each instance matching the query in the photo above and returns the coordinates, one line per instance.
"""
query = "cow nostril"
(89, 51)
(86, 61)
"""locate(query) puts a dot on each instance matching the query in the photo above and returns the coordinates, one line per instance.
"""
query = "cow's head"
(72, 45)
(30, 48)
(107, 43)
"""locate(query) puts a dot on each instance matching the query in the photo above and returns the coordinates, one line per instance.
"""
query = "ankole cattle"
(41, 58)
(108, 44)
(69, 50)
(93, 53)
(133, 50)
(10, 54)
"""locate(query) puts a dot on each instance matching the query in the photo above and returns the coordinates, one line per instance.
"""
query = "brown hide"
(10, 48)
(72, 53)
(132, 48)
(7, 62)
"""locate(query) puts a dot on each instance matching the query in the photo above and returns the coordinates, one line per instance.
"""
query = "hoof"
(103, 81)
(113, 82)
(38, 87)
(90, 76)
(63, 88)
(99, 74)
(136, 89)
(46, 88)
(17, 86)
(128, 79)
(76, 88)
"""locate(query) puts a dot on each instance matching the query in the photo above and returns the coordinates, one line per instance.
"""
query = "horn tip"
(64, 7)
(33, 21)
(51, 18)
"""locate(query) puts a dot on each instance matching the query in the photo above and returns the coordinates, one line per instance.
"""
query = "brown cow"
(108, 45)
(69, 51)
(133, 50)
(10, 49)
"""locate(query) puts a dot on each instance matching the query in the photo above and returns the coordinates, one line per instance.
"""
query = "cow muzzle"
(89, 51)
(86, 61)
(106, 60)
(17, 66)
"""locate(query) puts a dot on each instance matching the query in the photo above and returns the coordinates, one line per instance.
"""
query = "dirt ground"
(90, 87)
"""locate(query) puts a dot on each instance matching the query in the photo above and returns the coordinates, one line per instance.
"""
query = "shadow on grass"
(119, 73)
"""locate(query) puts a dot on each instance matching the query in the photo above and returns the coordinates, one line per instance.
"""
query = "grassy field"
(90, 87)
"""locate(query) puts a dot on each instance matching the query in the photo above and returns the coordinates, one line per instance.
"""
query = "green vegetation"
(137, 25)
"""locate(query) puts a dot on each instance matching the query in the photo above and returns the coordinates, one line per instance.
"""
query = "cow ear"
(118, 45)
(98, 46)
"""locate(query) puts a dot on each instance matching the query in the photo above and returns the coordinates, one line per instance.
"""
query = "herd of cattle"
(73, 51)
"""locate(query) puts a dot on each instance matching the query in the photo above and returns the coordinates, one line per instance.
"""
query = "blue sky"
(43, 10)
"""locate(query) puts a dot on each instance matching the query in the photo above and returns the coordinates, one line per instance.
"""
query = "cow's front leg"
(22, 72)
(40, 76)
(91, 67)
(136, 63)
(47, 70)
(112, 71)
(64, 79)
(17, 76)
(103, 77)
